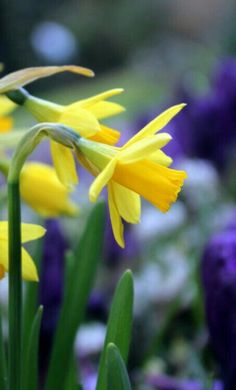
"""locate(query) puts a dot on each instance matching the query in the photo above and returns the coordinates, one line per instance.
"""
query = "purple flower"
(210, 119)
(51, 284)
(97, 306)
(219, 283)
(206, 127)
(163, 382)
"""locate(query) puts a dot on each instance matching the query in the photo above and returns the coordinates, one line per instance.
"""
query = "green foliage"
(81, 274)
(116, 373)
(119, 324)
(30, 307)
(30, 381)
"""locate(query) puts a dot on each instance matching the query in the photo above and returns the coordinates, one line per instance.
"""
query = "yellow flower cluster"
(137, 169)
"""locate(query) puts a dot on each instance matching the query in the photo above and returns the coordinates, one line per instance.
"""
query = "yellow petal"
(116, 223)
(6, 105)
(29, 271)
(106, 135)
(101, 180)
(25, 76)
(42, 190)
(80, 119)
(101, 96)
(64, 164)
(143, 148)
(161, 158)
(156, 124)
(127, 202)
(29, 231)
(102, 110)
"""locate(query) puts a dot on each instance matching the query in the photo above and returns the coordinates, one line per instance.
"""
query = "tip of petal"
(92, 196)
(118, 90)
(181, 106)
(122, 244)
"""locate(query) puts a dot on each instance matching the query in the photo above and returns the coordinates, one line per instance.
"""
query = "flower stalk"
(15, 285)
(25, 147)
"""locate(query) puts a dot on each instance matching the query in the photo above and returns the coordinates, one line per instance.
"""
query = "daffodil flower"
(42, 190)
(82, 116)
(29, 232)
(6, 107)
(140, 167)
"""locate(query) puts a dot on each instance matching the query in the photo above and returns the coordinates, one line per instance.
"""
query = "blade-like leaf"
(116, 373)
(31, 369)
(119, 324)
(81, 277)
(30, 304)
(25, 76)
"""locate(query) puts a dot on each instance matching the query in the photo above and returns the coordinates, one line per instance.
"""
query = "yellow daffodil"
(82, 116)
(140, 167)
(6, 106)
(29, 232)
(41, 190)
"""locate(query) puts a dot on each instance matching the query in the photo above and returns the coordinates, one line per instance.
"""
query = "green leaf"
(81, 277)
(116, 373)
(31, 368)
(72, 376)
(30, 304)
(3, 366)
(119, 324)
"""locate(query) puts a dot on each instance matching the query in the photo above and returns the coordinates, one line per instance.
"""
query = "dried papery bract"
(25, 76)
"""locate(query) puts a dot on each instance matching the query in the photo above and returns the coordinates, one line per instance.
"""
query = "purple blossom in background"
(208, 122)
(219, 283)
(163, 382)
(51, 284)
(206, 128)
(97, 307)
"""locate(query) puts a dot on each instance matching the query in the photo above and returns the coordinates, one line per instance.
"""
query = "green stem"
(27, 144)
(15, 286)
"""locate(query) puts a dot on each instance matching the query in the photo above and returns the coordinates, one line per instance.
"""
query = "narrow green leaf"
(81, 277)
(119, 324)
(31, 377)
(3, 365)
(30, 305)
(72, 376)
(116, 373)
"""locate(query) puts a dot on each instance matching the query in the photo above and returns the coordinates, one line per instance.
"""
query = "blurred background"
(184, 262)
